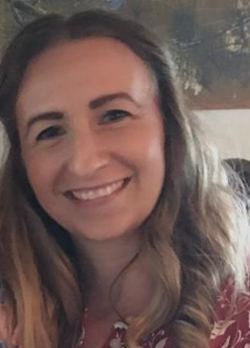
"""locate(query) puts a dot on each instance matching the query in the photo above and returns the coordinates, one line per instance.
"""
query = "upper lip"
(90, 188)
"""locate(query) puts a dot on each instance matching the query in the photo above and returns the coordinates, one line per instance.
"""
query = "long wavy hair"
(193, 236)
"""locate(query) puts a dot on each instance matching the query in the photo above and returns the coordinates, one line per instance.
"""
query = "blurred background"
(209, 41)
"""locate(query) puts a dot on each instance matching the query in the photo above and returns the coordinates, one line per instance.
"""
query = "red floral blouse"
(231, 333)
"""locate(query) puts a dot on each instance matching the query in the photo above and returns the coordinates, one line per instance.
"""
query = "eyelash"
(116, 116)
(46, 133)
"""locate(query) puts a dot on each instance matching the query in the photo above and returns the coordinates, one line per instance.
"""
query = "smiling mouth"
(94, 194)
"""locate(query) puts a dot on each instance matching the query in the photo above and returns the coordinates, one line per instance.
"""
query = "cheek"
(40, 171)
(149, 148)
(155, 152)
(155, 166)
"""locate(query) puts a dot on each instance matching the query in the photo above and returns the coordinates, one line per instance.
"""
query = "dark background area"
(209, 40)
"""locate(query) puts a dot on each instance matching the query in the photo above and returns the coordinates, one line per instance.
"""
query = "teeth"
(102, 192)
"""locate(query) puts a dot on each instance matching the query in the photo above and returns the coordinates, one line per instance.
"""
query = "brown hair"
(193, 229)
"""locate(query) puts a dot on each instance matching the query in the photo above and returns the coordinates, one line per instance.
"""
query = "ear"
(6, 331)
(4, 325)
(14, 339)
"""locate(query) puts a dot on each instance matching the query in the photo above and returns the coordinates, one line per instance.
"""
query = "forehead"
(93, 66)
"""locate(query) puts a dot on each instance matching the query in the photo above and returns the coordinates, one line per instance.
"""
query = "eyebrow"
(103, 99)
(94, 104)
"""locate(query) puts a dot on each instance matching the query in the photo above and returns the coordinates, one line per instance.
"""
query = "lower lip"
(101, 200)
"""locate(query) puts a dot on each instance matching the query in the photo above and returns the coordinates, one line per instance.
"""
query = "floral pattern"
(230, 330)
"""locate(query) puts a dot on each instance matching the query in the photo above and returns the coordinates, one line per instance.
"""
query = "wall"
(229, 130)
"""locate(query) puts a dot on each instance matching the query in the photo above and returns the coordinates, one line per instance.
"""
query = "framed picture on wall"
(209, 40)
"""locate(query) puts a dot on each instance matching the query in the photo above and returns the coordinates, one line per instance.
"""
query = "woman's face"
(92, 137)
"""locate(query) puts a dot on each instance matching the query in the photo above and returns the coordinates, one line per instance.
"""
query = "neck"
(110, 259)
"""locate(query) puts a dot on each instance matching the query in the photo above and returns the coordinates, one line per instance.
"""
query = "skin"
(83, 143)
(6, 334)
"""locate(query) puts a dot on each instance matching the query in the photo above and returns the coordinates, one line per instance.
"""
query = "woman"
(112, 209)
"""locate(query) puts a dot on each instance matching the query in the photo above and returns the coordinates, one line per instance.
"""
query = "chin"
(102, 234)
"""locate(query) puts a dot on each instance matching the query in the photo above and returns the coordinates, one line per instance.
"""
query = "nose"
(86, 154)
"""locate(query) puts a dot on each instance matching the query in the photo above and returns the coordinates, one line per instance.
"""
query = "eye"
(115, 116)
(49, 133)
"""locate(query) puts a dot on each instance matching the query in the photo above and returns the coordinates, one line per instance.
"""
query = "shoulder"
(232, 326)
